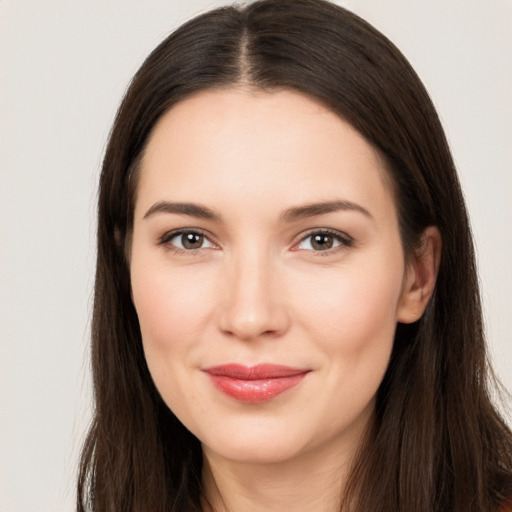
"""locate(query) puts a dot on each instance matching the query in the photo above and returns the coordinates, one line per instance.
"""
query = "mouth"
(255, 384)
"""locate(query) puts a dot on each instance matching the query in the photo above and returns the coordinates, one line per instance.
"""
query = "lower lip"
(255, 391)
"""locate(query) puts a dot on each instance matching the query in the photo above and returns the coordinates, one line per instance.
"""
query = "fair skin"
(246, 274)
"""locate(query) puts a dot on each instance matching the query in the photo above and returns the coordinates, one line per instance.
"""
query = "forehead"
(281, 147)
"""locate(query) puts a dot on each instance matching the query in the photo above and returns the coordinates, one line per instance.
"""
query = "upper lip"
(260, 371)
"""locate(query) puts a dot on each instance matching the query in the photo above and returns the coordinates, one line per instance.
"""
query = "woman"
(286, 309)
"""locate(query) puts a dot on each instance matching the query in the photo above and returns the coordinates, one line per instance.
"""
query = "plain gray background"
(63, 68)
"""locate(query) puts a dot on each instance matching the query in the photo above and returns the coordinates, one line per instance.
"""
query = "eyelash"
(344, 241)
(165, 240)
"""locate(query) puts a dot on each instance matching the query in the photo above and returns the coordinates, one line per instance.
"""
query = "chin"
(255, 444)
(250, 451)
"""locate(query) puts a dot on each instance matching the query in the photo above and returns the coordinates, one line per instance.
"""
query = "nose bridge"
(253, 303)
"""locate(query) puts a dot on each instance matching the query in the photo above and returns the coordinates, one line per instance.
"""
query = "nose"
(253, 301)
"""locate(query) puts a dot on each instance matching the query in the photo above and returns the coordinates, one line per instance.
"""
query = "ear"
(420, 277)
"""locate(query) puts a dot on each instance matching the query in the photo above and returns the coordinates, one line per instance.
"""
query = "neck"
(311, 481)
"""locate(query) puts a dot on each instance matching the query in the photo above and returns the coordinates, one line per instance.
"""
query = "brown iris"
(322, 242)
(192, 240)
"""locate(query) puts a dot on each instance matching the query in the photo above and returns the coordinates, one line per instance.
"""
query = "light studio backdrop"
(64, 66)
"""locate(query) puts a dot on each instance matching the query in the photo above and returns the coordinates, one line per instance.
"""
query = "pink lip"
(256, 383)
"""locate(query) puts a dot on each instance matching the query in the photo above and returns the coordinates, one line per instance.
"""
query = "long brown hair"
(436, 443)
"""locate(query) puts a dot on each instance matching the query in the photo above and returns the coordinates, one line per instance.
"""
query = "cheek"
(353, 312)
(171, 306)
(351, 321)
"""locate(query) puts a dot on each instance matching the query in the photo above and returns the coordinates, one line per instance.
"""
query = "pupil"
(192, 241)
(322, 242)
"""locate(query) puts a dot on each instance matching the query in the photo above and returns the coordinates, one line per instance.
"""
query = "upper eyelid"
(346, 241)
(168, 235)
(178, 231)
(335, 232)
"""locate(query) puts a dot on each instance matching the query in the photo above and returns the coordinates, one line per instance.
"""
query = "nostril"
(267, 324)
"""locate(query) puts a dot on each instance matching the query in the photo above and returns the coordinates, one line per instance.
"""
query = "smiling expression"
(265, 233)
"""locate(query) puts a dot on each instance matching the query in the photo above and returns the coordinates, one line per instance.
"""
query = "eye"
(322, 241)
(187, 240)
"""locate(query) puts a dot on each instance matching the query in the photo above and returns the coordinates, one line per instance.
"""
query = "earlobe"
(420, 277)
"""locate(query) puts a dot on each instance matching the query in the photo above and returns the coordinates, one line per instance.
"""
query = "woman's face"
(267, 273)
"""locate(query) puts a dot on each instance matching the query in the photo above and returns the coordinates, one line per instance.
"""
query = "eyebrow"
(194, 210)
(313, 209)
